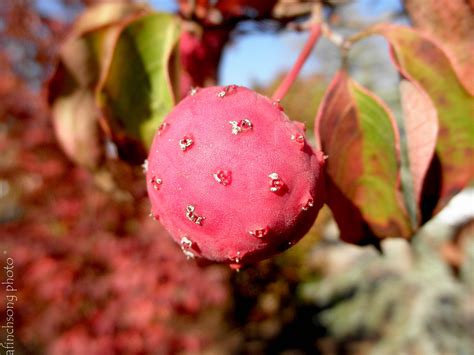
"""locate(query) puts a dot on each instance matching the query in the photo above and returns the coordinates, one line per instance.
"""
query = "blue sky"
(259, 57)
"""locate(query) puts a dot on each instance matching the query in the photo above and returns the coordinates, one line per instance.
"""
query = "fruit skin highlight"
(232, 178)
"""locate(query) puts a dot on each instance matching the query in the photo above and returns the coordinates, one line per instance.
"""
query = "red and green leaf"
(118, 58)
(359, 135)
(451, 22)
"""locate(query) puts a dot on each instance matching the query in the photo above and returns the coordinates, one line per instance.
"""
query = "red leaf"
(352, 226)
(421, 128)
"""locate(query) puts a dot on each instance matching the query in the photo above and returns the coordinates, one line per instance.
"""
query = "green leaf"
(137, 92)
(419, 60)
(359, 135)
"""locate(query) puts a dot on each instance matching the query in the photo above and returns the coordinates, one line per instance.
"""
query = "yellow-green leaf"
(136, 91)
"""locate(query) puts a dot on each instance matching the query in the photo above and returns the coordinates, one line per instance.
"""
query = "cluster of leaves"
(115, 59)
(387, 177)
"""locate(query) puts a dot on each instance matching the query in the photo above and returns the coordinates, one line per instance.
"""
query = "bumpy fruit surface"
(232, 178)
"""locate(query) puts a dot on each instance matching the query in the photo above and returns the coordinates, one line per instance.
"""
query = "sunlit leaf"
(451, 22)
(420, 60)
(359, 135)
(136, 91)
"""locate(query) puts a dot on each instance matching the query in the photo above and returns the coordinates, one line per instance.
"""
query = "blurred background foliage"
(96, 275)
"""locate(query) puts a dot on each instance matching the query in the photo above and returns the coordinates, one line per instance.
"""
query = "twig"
(304, 54)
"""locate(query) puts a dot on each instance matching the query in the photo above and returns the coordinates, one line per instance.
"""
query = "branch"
(291, 76)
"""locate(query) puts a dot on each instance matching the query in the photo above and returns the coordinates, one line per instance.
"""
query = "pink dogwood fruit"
(232, 178)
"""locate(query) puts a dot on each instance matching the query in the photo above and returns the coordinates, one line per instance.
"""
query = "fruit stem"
(291, 76)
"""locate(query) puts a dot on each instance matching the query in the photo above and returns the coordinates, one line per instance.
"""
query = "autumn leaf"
(421, 129)
(451, 22)
(353, 227)
(360, 137)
